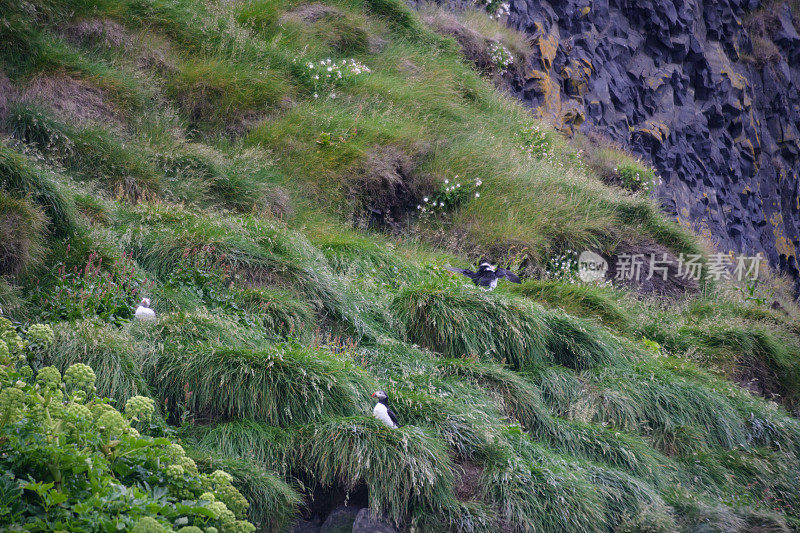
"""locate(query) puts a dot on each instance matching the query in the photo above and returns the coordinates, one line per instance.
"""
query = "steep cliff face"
(680, 83)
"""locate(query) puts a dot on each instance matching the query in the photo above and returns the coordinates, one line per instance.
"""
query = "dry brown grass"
(7, 95)
(474, 46)
(310, 13)
(97, 32)
(602, 155)
(72, 100)
(277, 201)
(761, 25)
(388, 185)
(475, 32)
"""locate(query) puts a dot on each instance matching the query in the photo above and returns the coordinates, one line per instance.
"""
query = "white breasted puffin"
(382, 411)
(487, 275)
(143, 312)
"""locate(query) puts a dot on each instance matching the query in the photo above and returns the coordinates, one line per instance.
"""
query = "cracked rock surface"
(680, 83)
(677, 82)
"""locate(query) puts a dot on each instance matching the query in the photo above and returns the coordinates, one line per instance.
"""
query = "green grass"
(278, 311)
(280, 385)
(213, 93)
(407, 470)
(579, 300)
(467, 431)
(21, 234)
(667, 404)
(91, 153)
(742, 342)
(257, 252)
(21, 178)
(521, 400)
(241, 196)
(463, 321)
(273, 502)
(547, 497)
(110, 352)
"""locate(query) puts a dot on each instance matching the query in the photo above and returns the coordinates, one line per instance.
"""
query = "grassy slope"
(231, 187)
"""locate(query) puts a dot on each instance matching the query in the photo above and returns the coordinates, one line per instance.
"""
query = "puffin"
(487, 275)
(382, 411)
(143, 312)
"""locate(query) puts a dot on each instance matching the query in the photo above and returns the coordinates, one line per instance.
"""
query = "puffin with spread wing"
(487, 275)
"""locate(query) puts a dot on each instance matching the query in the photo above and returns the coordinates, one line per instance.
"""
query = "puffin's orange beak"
(372, 395)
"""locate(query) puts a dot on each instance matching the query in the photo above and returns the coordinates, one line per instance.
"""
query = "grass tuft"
(280, 385)
(273, 502)
(461, 321)
(21, 234)
(112, 354)
(19, 177)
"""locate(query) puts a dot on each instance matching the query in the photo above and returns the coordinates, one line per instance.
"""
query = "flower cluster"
(501, 56)
(495, 8)
(107, 291)
(48, 425)
(25, 355)
(79, 377)
(140, 408)
(324, 76)
(637, 177)
(450, 195)
(10, 341)
(41, 335)
(534, 141)
(563, 267)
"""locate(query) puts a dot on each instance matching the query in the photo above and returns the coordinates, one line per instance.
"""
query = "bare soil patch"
(469, 482)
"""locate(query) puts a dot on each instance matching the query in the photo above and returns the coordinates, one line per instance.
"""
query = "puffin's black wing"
(469, 273)
(392, 416)
(510, 276)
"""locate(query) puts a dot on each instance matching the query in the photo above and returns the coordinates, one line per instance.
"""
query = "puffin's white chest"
(381, 414)
(493, 284)
(144, 313)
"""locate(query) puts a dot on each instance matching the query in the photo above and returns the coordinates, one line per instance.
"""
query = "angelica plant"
(71, 461)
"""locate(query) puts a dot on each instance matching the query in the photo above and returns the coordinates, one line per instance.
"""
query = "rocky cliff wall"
(680, 83)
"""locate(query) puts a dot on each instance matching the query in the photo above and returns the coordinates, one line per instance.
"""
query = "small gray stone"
(369, 522)
(306, 526)
(340, 520)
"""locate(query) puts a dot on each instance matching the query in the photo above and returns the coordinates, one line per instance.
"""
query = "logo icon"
(592, 267)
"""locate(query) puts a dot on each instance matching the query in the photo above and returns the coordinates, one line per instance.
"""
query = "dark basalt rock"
(305, 526)
(676, 82)
(369, 522)
(671, 80)
(340, 520)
